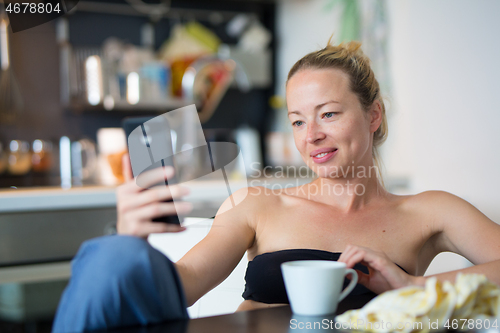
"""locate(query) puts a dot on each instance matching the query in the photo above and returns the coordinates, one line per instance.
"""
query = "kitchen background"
(436, 61)
(48, 62)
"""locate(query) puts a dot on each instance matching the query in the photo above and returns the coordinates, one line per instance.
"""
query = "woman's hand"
(137, 206)
(382, 275)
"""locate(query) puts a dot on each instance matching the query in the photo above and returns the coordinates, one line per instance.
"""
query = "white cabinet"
(447, 261)
(224, 298)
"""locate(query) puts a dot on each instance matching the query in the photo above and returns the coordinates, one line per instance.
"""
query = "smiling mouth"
(324, 153)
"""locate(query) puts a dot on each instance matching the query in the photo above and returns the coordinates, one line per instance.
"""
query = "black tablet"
(150, 146)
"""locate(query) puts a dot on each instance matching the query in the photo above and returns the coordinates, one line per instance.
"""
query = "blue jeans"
(119, 281)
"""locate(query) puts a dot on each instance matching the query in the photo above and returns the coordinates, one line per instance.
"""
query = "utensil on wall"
(93, 79)
(78, 74)
(11, 101)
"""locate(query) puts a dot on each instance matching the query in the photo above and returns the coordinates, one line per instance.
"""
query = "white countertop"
(56, 198)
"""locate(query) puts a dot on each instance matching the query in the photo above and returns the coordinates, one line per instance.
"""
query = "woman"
(338, 120)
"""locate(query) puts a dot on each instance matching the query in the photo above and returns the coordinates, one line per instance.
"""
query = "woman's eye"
(297, 123)
(329, 114)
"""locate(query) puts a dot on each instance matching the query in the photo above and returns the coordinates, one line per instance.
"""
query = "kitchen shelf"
(146, 10)
(173, 103)
(141, 106)
(83, 33)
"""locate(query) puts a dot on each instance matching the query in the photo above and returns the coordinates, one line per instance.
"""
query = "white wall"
(444, 113)
(303, 26)
(445, 132)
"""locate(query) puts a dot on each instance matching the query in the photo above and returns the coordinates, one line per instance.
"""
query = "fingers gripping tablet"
(195, 160)
(150, 147)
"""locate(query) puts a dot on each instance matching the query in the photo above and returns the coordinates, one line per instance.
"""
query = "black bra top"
(264, 281)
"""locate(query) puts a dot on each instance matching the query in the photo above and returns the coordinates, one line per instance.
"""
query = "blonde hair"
(350, 58)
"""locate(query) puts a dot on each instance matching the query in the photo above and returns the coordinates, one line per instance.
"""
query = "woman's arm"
(209, 262)
(465, 231)
(460, 228)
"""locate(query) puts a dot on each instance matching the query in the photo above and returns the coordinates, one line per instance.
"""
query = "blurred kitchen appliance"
(83, 161)
(77, 161)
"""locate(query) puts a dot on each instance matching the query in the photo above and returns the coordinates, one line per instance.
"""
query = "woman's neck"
(347, 193)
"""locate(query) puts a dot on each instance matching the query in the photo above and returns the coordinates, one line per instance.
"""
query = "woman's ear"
(375, 116)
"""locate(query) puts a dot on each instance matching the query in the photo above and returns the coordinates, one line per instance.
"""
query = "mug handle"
(351, 285)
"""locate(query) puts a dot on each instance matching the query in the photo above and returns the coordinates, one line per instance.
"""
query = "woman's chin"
(327, 176)
(325, 171)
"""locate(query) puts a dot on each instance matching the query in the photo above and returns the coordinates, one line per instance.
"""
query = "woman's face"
(331, 130)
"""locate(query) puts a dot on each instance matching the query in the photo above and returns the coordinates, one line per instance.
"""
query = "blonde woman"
(338, 120)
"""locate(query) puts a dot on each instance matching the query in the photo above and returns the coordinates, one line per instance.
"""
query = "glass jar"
(41, 159)
(19, 157)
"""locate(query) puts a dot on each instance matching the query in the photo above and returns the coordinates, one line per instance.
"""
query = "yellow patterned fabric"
(436, 306)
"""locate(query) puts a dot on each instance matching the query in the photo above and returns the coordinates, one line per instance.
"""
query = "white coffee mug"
(314, 286)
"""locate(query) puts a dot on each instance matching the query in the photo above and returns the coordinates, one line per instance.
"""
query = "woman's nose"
(314, 133)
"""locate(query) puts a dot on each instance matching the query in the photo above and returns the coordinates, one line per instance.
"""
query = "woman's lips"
(324, 156)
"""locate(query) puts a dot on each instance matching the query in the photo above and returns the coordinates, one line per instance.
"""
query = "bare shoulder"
(438, 203)
(248, 202)
(431, 197)
(449, 208)
(259, 196)
(462, 228)
(437, 210)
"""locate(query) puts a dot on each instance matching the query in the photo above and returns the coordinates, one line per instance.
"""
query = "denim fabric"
(119, 281)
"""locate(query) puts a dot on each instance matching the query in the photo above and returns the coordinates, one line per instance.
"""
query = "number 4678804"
(32, 8)
(471, 324)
